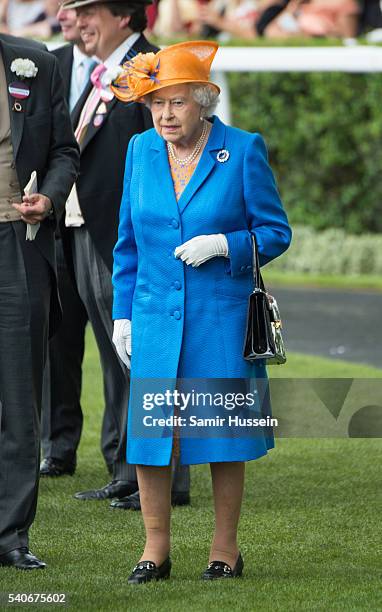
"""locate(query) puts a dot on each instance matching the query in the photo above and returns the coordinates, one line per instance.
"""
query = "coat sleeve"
(125, 251)
(266, 218)
(64, 157)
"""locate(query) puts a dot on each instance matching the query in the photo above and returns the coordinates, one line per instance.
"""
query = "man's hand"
(34, 208)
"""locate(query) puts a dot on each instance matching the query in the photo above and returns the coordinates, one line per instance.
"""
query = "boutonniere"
(112, 74)
(24, 68)
(108, 78)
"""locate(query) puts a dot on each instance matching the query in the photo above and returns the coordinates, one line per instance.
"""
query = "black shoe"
(133, 502)
(21, 558)
(219, 569)
(146, 571)
(115, 488)
(56, 467)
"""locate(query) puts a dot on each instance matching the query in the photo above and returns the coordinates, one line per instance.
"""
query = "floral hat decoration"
(187, 62)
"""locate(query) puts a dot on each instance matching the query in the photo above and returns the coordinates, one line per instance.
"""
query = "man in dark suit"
(62, 416)
(35, 135)
(112, 31)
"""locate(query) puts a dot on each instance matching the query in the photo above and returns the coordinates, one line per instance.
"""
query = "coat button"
(242, 268)
(177, 315)
(177, 285)
(175, 224)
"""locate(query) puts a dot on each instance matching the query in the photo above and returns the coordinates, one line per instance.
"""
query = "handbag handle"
(257, 279)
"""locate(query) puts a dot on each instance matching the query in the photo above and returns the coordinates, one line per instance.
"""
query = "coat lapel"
(16, 118)
(94, 128)
(76, 112)
(161, 173)
(206, 164)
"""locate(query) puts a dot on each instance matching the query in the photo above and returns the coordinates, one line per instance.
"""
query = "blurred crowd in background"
(221, 19)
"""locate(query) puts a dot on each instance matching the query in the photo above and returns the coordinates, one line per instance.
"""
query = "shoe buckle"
(227, 569)
(149, 565)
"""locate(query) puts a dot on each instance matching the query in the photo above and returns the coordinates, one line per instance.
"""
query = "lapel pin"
(98, 120)
(222, 156)
(102, 109)
(19, 90)
(17, 107)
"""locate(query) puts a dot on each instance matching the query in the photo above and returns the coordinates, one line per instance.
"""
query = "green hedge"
(324, 134)
(331, 252)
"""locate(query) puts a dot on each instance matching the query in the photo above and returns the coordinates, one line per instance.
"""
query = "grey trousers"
(25, 289)
(94, 286)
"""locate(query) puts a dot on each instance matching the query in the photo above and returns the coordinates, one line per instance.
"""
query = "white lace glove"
(200, 249)
(122, 340)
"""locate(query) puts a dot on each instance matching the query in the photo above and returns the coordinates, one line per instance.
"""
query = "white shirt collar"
(119, 53)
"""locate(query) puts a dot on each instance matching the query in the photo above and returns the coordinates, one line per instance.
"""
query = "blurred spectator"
(17, 13)
(152, 14)
(30, 18)
(234, 17)
(332, 18)
(209, 17)
(269, 13)
(271, 18)
(176, 17)
(371, 17)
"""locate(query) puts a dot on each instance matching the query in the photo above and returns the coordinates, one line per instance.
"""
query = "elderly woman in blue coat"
(195, 190)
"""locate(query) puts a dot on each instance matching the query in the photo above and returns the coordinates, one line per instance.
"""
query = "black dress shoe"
(21, 558)
(56, 467)
(115, 488)
(133, 502)
(146, 571)
(219, 569)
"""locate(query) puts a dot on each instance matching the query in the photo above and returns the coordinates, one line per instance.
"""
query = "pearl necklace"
(187, 161)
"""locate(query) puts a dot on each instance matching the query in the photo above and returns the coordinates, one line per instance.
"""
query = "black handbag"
(263, 338)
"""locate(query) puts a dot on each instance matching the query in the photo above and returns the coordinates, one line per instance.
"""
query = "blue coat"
(189, 323)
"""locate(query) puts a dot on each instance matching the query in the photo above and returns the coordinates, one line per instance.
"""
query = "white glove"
(200, 249)
(122, 340)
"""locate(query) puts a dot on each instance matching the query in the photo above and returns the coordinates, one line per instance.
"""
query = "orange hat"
(186, 62)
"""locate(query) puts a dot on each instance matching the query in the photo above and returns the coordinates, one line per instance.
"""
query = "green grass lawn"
(310, 531)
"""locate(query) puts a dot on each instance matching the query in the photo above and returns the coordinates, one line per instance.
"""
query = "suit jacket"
(42, 139)
(103, 154)
(64, 56)
(24, 42)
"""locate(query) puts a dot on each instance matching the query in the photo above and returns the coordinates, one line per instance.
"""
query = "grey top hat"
(73, 4)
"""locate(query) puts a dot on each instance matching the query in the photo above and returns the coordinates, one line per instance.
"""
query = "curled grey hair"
(206, 96)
